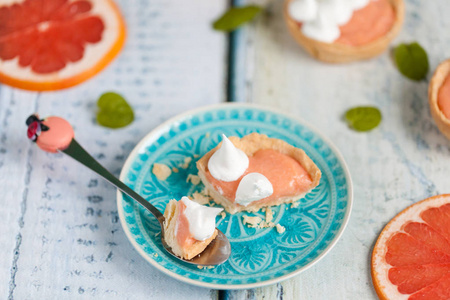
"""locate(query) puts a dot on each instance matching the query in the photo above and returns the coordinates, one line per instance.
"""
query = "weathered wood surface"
(403, 161)
(61, 237)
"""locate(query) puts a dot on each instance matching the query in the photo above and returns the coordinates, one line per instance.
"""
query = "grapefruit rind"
(101, 54)
(380, 268)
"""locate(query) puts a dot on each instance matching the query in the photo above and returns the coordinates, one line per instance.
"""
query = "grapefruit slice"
(55, 44)
(411, 258)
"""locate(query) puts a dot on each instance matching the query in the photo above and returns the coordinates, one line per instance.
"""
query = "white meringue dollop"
(228, 163)
(321, 19)
(202, 219)
(253, 187)
(304, 10)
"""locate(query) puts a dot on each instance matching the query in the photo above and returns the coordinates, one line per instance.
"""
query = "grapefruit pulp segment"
(411, 279)
(404, 250)
(439, 219)
(428, 236)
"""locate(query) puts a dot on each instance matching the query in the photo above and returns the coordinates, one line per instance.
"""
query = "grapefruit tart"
(249, 173)
(342, 31)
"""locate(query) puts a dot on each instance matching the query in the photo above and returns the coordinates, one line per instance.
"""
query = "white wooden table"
(61, 238)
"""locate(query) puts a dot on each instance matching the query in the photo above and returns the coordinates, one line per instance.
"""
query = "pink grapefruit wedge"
(55, 44)
(411, 258)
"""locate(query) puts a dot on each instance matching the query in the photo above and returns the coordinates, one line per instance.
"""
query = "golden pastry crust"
(250, 144)
(170, 224)
(338, 53)
(439, 76)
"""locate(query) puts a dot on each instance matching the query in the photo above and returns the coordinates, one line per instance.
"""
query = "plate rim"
(126, 166)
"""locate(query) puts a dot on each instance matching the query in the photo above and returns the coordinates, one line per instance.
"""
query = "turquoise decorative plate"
(259, 256)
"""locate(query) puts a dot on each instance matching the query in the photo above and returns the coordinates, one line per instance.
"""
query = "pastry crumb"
(295, 204)
(252, 222)
(196, 156)
(269, 215)
(207, 135)
(175, 170)
(155, 255)
(223, 215)
(201, 198)
(161, 171)
(186, 163)
(194, 179)
(265, 224)
(280, 228)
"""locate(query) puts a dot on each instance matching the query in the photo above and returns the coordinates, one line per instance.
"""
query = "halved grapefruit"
(55, 44)
(411, 258)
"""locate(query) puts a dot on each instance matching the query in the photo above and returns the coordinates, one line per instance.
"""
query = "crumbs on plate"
(161, 171)
(186, 163)
(194, 179)
(201, 197)
(280, 228)
(252, 222)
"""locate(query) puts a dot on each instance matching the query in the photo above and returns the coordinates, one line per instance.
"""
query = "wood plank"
(403, 161)
(63, 238)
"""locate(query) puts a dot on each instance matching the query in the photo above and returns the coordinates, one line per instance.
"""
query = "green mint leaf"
(411, 60)
(363, 118)
(114, 111)
(235, 17)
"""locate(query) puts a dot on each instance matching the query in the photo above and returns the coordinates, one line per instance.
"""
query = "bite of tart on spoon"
(183, 234)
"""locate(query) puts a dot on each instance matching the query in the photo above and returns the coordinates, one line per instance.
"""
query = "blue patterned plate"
(259, 256)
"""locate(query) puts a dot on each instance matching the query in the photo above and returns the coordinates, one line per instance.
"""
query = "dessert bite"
(342, 31)
(439, 97)
(256, 171)
(189, 227)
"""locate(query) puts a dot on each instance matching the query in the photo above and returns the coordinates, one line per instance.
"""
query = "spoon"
(55, 134)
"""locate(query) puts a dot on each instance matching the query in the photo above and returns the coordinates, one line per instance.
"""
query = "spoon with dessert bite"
(54, 134)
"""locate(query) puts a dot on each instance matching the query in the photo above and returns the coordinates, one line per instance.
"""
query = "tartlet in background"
(340, 53)
(439, 76)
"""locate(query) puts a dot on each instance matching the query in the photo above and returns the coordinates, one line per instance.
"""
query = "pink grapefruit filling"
(286, 175)
(444, 98)
(184, 236)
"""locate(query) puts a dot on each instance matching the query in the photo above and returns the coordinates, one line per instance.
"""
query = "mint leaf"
(114, 111)
(235, 17)
(412, 60)
(363, 118)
